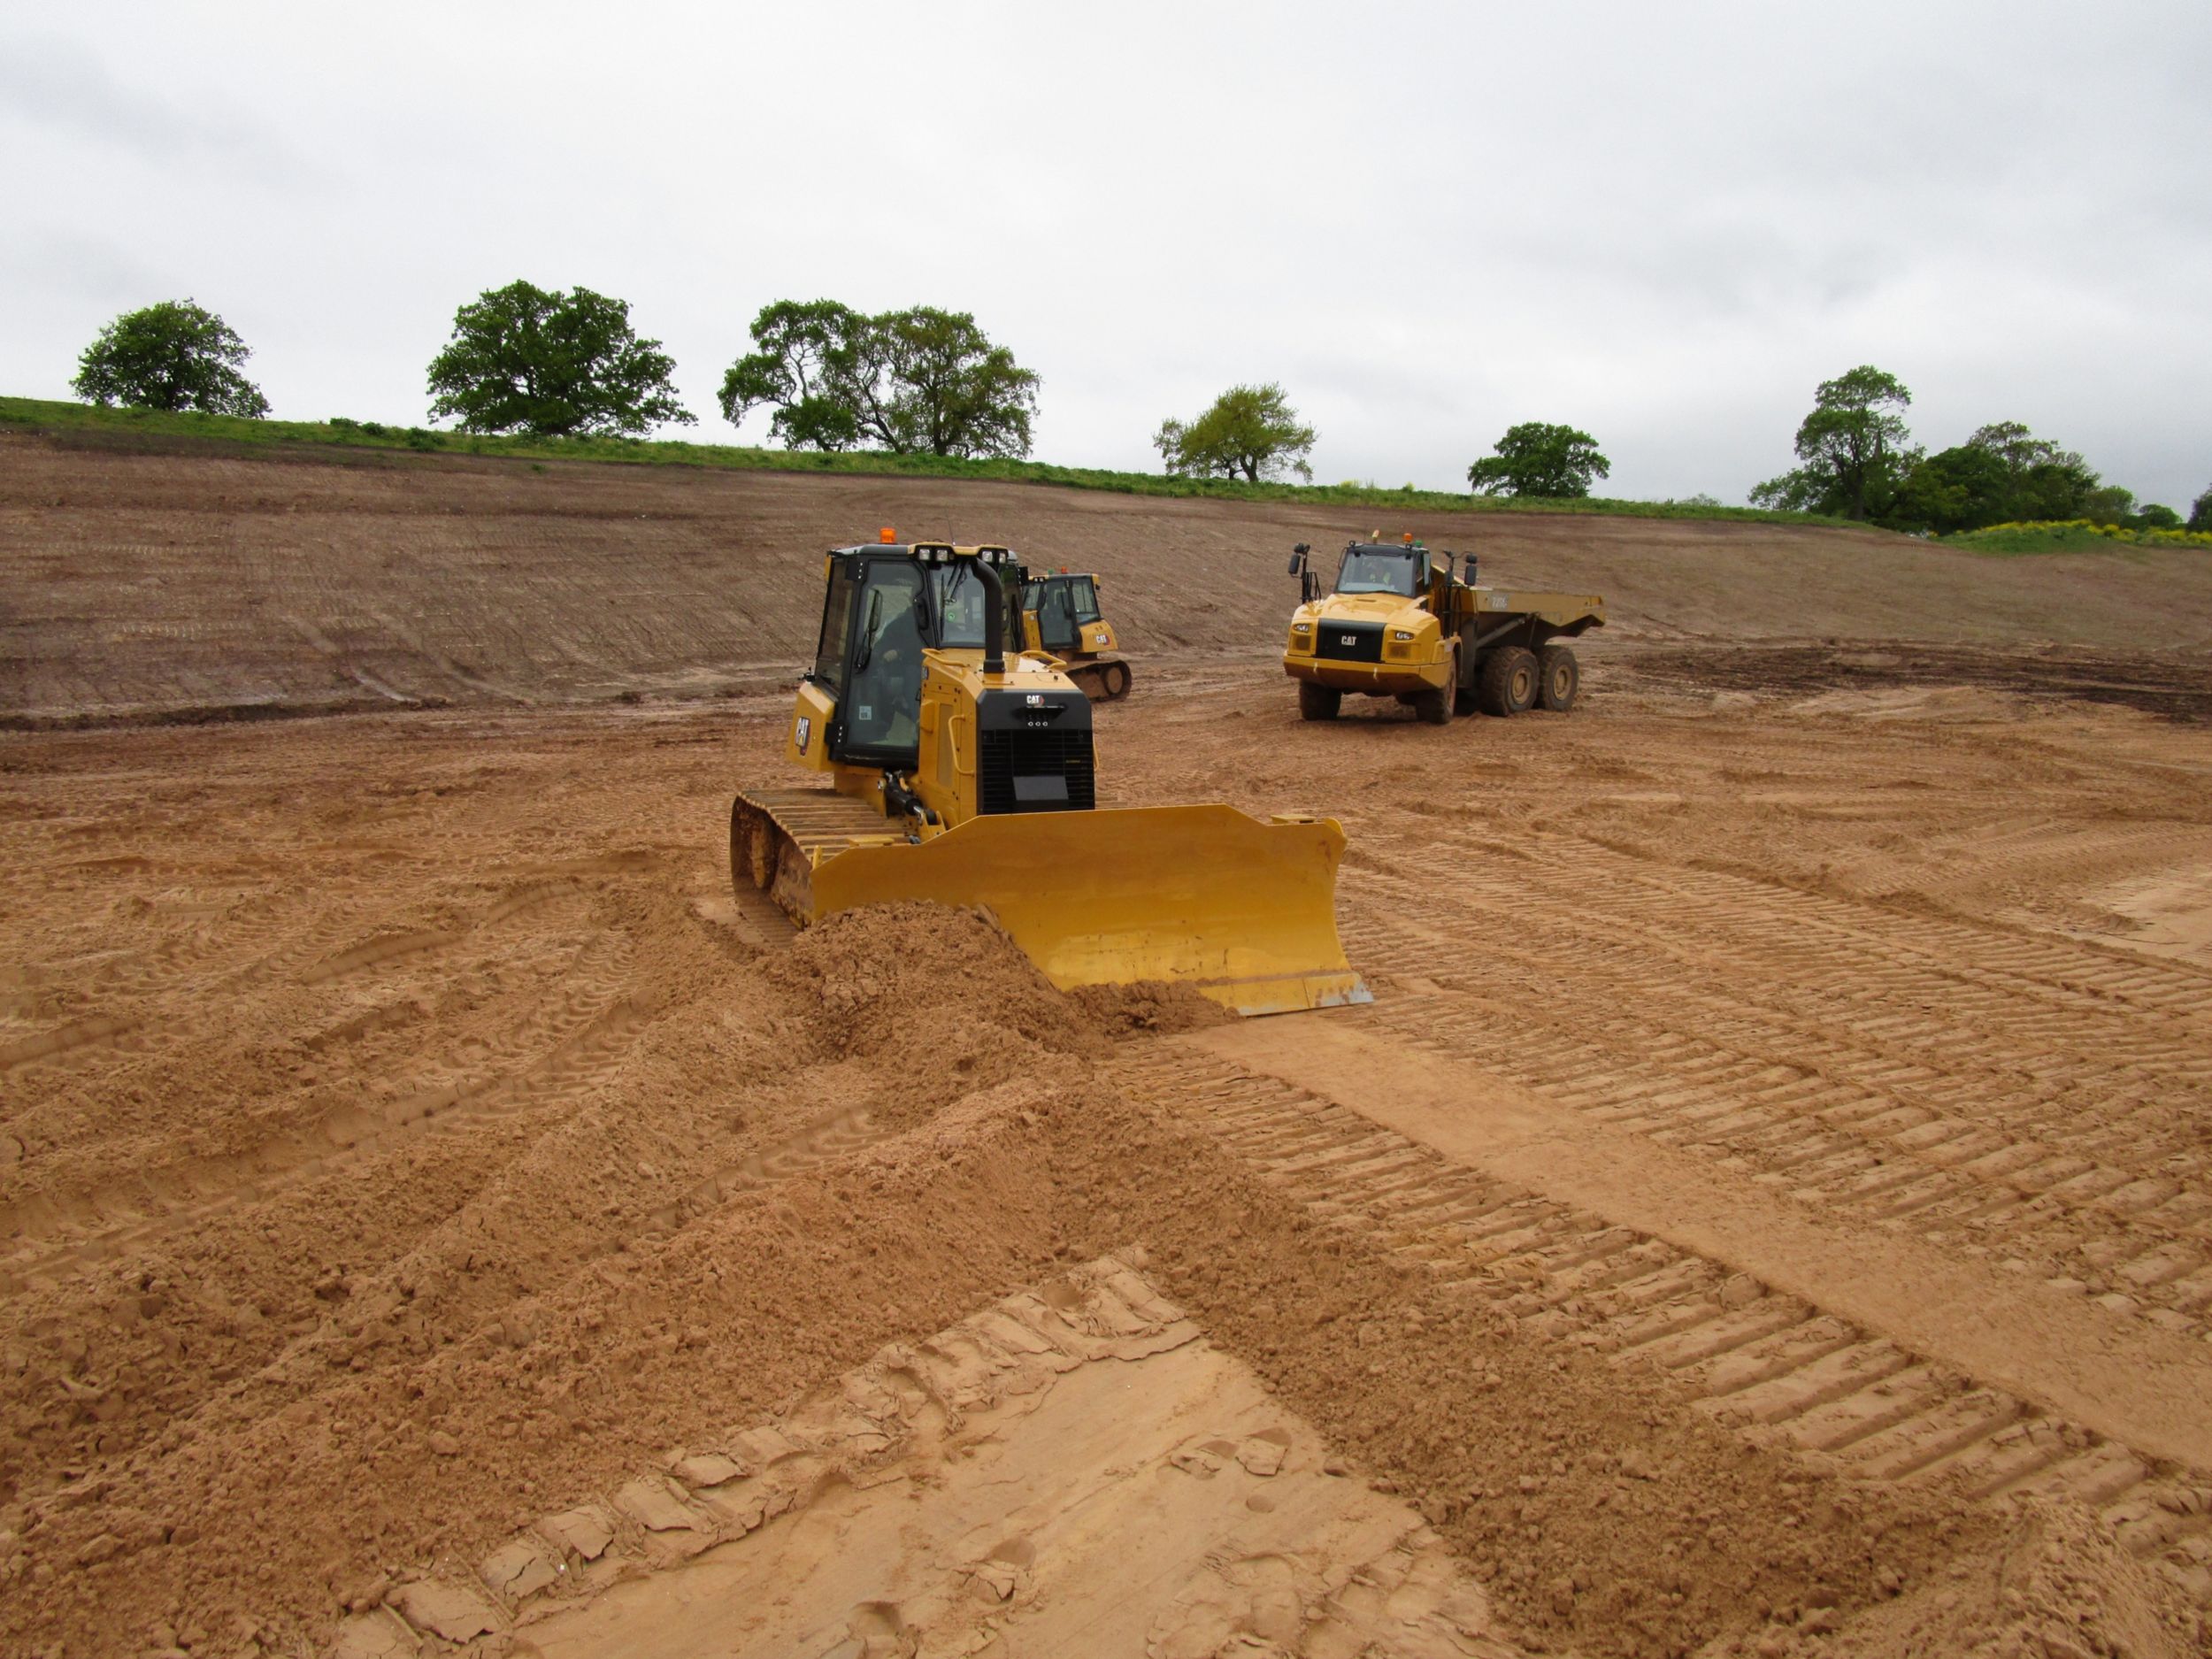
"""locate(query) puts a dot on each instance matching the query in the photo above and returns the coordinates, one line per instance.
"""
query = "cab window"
(882, 707)
(1055, 616)
(1085, 593)
(1377, 571)
(837, 615)
(955, 596)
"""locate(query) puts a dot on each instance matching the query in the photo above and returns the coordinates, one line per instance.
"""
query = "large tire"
(1509, 681)
(1318, 703)
(1116, 681)
(1559, 676)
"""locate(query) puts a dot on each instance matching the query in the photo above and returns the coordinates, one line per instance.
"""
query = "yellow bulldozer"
(1060, 615)
(957, 771)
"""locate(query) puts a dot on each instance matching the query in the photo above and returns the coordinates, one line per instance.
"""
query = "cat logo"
(1347, 639)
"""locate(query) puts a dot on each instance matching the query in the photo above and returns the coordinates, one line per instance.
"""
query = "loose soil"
(1766, 1209)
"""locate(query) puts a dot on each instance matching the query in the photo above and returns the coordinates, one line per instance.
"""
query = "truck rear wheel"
(1508, 681)
(1318, 703)
(1561, 678)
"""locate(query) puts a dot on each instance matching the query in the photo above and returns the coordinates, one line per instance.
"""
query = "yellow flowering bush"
(2058, 535)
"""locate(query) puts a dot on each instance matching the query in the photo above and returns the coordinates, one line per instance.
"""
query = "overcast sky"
(1662, 223)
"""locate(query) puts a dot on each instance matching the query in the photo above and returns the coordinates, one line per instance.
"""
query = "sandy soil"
(1767, 1199)
(1766, 1209)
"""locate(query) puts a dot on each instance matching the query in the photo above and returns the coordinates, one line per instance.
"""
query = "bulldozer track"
(565, 1043)
(2011, 1094)
(1772, 1365)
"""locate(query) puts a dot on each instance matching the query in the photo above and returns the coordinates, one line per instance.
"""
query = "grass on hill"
(37, 415)
(2070, 535)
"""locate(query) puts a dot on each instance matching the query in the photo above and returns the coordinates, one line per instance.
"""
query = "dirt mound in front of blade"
(1151, 1005)
(924, 988)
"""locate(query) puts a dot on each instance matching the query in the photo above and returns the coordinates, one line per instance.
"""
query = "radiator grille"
(1036, 771)
(1349, 641)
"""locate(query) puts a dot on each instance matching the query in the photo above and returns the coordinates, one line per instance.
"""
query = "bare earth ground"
(1768, 1208)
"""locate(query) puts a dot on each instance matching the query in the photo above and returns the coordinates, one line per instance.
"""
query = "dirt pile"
(931, 992)
(1149, 1006)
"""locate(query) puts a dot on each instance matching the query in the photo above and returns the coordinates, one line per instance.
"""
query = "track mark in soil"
(1772, 1364)
(577, 1045)
(2018, 1094)
(78, 1034)
(1009, 1486)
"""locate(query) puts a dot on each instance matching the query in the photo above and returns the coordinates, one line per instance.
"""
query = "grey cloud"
(62, 85)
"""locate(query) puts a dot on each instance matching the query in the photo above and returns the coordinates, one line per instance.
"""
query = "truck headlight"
(1302, 627)
(1401, 633)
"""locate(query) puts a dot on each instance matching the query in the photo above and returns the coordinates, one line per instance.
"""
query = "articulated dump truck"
(957, 771)
(1399, 623)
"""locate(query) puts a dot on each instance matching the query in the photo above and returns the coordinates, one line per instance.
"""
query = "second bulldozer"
(1060, 615)
(955, 771)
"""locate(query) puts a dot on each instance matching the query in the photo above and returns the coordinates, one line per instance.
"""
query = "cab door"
(1055, 616)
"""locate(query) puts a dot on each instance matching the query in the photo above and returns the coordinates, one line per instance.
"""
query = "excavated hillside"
(135, 584)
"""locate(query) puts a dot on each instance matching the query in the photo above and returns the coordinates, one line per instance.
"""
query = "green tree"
(920, 381)
(2200, 512)
(1251, 433)
(805, 367)
(525, 359)
(1854, 447)
(2002, 474)
(174, 356)
(1537, 458)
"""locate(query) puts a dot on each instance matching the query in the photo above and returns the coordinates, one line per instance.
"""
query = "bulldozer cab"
(884, 606)
(1061, 605)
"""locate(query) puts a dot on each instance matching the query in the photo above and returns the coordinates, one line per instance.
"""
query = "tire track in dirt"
(1873, 1096)
(566, 1044)
(1775, 1365)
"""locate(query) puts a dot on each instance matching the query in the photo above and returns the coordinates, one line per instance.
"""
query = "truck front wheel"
(1318, 703)
(1560, 677)
(1508, 682)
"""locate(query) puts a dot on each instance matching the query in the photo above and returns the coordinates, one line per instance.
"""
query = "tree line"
(925, 382)
(1858, 460)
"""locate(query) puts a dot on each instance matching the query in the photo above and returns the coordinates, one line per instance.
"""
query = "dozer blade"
(1243, 912)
